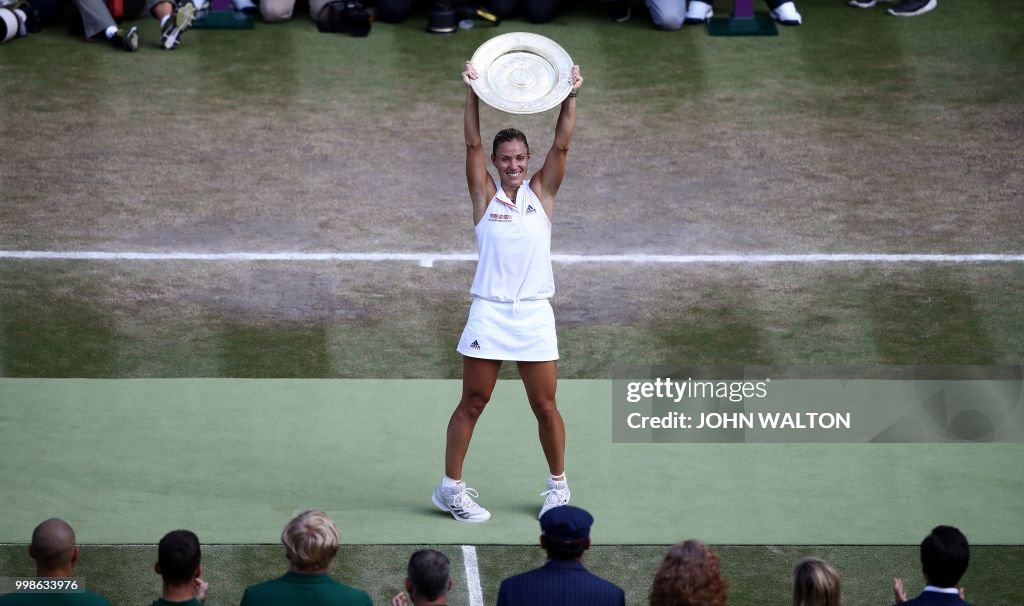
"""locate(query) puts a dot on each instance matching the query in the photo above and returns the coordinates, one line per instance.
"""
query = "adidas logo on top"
(474, 345)
(530, 209)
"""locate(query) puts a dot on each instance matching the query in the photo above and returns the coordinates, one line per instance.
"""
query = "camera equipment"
(344, 17)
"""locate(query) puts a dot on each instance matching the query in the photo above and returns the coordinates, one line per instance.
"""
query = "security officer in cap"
(562, 581)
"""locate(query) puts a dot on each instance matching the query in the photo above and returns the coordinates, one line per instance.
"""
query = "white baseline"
(427, 259)
(476, 594)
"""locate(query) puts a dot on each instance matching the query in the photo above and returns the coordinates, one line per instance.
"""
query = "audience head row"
(690, 574)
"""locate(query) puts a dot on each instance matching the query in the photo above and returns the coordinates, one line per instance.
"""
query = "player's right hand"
(469, 74)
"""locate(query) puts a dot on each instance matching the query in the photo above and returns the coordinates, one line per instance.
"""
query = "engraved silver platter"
(522, 73)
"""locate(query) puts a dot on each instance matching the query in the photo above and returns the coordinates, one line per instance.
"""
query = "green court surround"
(232, 459)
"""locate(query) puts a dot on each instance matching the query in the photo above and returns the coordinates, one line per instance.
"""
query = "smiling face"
(511, 158)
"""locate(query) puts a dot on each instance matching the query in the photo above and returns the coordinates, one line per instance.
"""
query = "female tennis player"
(511, 318)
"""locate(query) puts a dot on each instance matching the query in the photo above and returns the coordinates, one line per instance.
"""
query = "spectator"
(690, 575)
(177, 564)
(562, 581)
(310, 542)
(174, 19)
(904, 8)
(944, 558)
(784, 11)
(55, 553)
(815, 583)
(428, 579)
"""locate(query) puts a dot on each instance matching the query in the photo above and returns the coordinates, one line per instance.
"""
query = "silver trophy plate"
(522, 73)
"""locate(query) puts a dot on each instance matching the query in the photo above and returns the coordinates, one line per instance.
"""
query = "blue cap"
(566, 523)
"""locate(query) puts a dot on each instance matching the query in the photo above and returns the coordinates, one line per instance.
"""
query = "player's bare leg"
(541, 381)
(478, 379)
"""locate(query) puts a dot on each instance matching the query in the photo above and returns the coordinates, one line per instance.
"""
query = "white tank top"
(513, 242)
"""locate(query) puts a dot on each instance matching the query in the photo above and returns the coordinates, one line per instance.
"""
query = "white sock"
(164, 20)
(553, 479)
(111, 31)
(450, 483)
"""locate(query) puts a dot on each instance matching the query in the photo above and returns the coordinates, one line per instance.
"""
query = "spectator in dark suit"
(562, 581)
(428, 579)
(54, 550)
(944, 558)
(177, 563)
(689, 575)
(310, 543)
(815, 583)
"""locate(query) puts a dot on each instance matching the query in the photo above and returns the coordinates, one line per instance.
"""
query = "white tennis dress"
(511, 317)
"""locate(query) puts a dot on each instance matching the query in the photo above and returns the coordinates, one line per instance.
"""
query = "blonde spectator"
(815, 583)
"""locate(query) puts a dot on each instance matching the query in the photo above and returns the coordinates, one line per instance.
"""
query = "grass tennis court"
(854, 133)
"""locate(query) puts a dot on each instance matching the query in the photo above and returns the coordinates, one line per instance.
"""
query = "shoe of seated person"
(176, 25)
(245, 6)
(913, 8)
(862, 3)
(698, 12)
(32, 24)
(126, 38)
(786, 14)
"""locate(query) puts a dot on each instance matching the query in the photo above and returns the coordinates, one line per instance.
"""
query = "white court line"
(427, 259)
(476, 594)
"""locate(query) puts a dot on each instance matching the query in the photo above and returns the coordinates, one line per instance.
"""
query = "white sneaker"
(698, 12)
(556, 495)
(459, 502)
(786, 14)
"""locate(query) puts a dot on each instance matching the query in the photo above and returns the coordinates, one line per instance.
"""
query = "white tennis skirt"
(523, 332)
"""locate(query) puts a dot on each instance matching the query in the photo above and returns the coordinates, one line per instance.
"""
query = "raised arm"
(551, 174)
(481, 187)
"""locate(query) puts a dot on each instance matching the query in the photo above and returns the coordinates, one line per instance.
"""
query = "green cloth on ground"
(249, 453)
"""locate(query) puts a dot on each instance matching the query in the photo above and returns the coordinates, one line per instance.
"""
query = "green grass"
(151, 320)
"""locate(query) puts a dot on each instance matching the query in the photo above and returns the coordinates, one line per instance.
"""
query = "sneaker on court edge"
(556, 495)
(459, 502)
(913, 8)
(862, 3)
(175, 25)
(698, 12)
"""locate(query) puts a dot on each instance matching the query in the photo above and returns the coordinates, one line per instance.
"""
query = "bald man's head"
(53, 544)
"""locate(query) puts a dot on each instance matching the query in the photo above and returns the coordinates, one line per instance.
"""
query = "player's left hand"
(575, 78)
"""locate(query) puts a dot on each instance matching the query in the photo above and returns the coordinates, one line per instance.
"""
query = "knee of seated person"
(670, 25)
(668, 20)
(272, 13)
